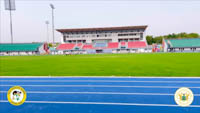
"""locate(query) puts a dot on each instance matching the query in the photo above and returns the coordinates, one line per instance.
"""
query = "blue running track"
(99, 95)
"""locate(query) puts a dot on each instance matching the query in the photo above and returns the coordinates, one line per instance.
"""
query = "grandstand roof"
(19, 47)
(187, 42)
(103, 29)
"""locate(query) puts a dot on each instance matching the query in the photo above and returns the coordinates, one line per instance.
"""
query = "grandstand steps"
(123, 45)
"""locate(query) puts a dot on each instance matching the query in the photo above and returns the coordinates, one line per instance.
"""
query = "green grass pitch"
(163, 64)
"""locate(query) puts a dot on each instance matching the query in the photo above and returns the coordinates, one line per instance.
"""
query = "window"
(127, 34)
(64, 39)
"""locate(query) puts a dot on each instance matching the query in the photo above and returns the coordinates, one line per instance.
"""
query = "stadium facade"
(107, 34)
(103, 40)
(181, 45)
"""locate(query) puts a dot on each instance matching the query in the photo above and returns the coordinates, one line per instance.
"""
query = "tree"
(149, 39)
(158, 39)
(193, 35)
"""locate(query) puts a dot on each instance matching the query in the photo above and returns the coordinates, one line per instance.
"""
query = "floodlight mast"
(10, 5)
(52, 7)
(47, 23)
(11, 29)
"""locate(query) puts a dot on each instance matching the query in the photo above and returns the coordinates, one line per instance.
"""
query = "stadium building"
(23, 48)
(103, 40)
(181, 45)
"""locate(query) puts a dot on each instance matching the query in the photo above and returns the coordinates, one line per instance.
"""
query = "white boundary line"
(164, 77)
(96, 86)
(95, 81)
(99, 81)
(102, 103)
(104, 93)
(101, 93)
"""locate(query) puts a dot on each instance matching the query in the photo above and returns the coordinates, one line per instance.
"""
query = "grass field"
(170, 64)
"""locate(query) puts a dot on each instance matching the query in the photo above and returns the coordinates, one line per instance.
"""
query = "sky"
(161, 16)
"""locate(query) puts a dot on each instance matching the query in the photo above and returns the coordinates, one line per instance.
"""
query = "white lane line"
(101, 103)
(110, 93)
(96, 86)
(102, 93)
(104, 81)
(164, 77)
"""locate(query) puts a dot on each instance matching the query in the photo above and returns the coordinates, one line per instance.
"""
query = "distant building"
(125, 39)
(23, 48)
(181, 45)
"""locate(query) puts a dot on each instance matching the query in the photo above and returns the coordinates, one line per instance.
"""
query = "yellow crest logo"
(16, 95)
(184, 97)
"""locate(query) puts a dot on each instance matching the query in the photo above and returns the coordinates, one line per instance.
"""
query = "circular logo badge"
(16, 95)
(184, 97)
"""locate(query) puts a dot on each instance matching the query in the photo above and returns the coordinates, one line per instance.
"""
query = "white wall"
(41, 49)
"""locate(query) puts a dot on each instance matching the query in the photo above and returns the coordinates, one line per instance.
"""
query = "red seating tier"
(137, 44)
(65, 46)
(79, 44)
(87, 46)
(113, 45)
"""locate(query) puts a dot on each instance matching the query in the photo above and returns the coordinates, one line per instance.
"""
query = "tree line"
(158, 39)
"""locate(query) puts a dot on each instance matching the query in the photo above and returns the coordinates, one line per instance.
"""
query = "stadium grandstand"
(127, 39)
(23, 48)
(181, 45)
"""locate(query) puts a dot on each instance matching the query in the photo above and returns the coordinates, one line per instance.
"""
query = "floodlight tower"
(47, 23)
(52, 7)
(10, 5)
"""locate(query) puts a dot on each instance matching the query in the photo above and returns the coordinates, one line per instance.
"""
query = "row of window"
(128, 34)
(102, 41)
(129, 39)
(82, 36)
(101, 35)
(75, 41)
(105, 32)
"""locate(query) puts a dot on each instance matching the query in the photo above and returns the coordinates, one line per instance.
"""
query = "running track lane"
(99, 95)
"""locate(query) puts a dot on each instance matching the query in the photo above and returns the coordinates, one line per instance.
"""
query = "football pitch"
(149, 64)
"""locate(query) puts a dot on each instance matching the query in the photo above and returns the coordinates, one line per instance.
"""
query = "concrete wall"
(164, 44)
(41, 49)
